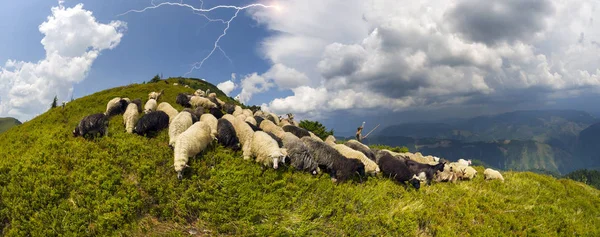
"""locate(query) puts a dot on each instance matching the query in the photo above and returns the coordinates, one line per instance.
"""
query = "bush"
(317, 128)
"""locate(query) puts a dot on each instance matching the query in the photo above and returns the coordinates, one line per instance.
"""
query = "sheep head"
(415, 182)
(76, 131)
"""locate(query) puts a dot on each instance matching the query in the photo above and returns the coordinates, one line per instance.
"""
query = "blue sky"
(381, 61)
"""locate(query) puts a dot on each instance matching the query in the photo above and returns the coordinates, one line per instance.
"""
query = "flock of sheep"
(268, 139)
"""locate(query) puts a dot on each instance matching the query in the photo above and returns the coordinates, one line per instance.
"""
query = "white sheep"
(250, 120)
(115, 106)
(168, 109)
(370, 166)
(212, 121)
(155, 95)
(189, 143)
(464, 162)
(247, 112)
(175, 84)
(130, 117)
(150, 106)
(199, 92)
(244, 133)
(214, 96)
(268, 126)
(260, 113)
(237, 111)
(266, 150)
(315, 136)
(492, 174)
(467, 172)
(229, 118)
(242, 116)
(330, 139)
(180, 123)
(197, 101)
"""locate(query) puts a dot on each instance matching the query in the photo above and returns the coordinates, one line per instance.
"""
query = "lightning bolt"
(201, 11)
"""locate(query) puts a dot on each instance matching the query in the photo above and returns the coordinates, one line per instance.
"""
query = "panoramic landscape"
(300, 118)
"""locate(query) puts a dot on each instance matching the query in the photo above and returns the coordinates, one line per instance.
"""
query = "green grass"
(52, 184)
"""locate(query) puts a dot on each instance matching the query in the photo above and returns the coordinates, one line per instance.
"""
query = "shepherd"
(359, 132)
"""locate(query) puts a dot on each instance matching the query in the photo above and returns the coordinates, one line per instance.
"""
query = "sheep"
(466, 172)
(266, 150)
(298, 131)
(226, 134)
(92, 124)
(247, 112)
(285, 122)
(116, 106)
(340, 168)
(290, 118)
(217, 101)
(155, 95)
(492, 174)
(150, 106)
(464, 162)
(216, 112)
(180, 123)
(242, 116)
(199, 92)
(254, 128)
(268, 126)
(130, 117)
(330, 139)
(260, 113)
(356, 145)
(244, 134)
(175, 84)
(229, 108)
(186, 86)
(273, 117)
(448, 175)
(229, 118)
(189, 143)
(258, 120)
(211, 121)
(297, 151)
(429, 170)
(138, 103)
(237, 110)
(397, 169)
(251, 120)
(370, 166)
(183, 100)
(151, 122)
(211, 95)
(277, 139)
(197, 101)
(195, 115)
(315, 136)
(168, 109)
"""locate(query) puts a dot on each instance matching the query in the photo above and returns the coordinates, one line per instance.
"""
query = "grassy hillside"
(53, 184)
(7, 123)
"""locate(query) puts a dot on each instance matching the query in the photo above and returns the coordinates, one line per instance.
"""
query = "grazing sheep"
(237, 110)
(214, 97)
(216, 112)
(242, 117)
(285, 122)
(180, 123)
(211, 121)
(466, 172)
(211, 95)
(266, 150)
(138, 103)
(251, 120)
(247, 112)
(229, 118)
(268, 126)
(492, 174)
(356, 145)
(464, 162)
(370, 166)
(195, 115)
(330, 139)
(273, 117)
(429, 170)
(297, 151)
(199, 92)
(340, 168)
(175, 84)
(277, 139)
(229, 108)
(183, 100)
(116, 106)
(298, 131)
(226, 134)
(150, 106)
(315, 136)
(189, 143)
(258, 120)
(397, 169)
(448, 175)
(92, 124)
(197, 101)
(244, 134)
(168, 109)
(260, 113)
(155, 95)
(254, 128)
(151, 122)
(130, 117)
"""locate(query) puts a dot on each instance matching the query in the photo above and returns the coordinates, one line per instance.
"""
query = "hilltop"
(7, 123)
(53, 184)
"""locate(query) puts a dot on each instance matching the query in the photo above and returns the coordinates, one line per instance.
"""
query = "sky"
(339, 61)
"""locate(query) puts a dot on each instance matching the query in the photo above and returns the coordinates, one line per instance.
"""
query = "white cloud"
(226, 86)
(279, 74)
(252, 84)
(73, 39)
(394, 55)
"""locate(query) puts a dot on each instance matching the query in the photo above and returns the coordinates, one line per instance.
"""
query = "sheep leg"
(246, 152)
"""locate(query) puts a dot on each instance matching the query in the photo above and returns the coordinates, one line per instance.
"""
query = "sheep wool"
(189, 143)
(199, 92)
(168, 109)
(247, 112)
(314, 136)
(251, 120)
(197, 101)
(268, 126)
(370, 166)
(92, 124)
(130, 117)
(330, 139)
(266, 150)
(492, 174)
(211, 121)
(467, 172)
(150, 106)
(116, 106)
(180, 123)
(464, 162)
(237, 111)
(300, 157)
(244, 134)
(155, 95)
(356, 145)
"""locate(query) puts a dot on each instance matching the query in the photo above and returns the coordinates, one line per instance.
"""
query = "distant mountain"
(588, 146)
(7, 123)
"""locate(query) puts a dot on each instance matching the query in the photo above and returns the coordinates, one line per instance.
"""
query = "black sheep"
(226, 134)
(216, 112)
(195, 117)
(183, 100)
(229, 108)
(277, 139)
(258, 120)
(300, 157)
(118, 108)
(298, 131)
(339, 167)
(92, 124)
(429, 170)
(254, 128)
(151, 122)
(138, 102)
(397, 169)
(214, 100)
(356, 145)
